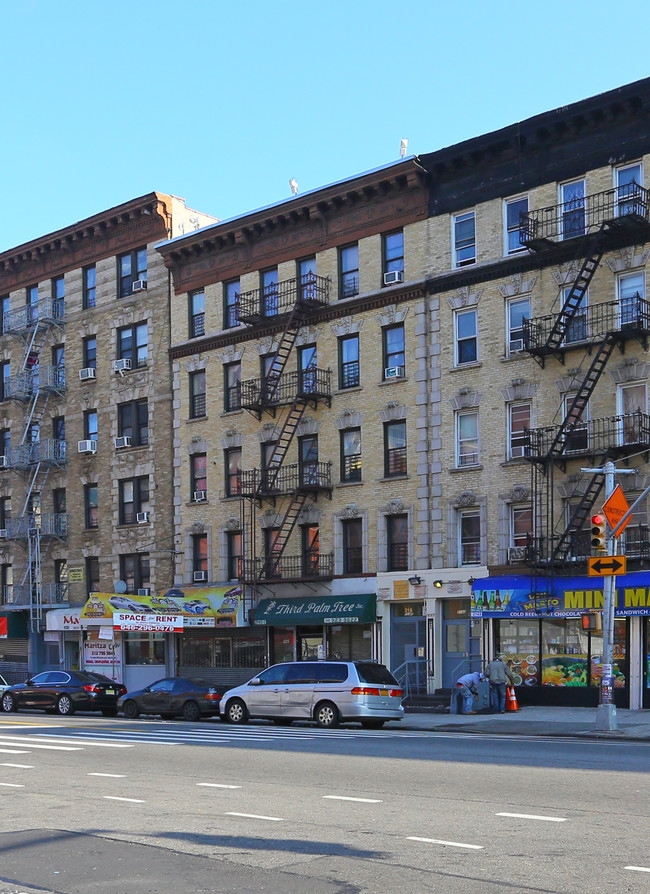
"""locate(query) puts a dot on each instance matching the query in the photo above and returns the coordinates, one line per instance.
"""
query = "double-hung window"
(521, 525)
(269, 286)
(58, 296)
(5, 442)
(133, 421)
(234, 555)
(133, 345)
(393, 257)
(519, 419)
(310, 537)
(200, 554)
(232, 467)
(232, 386)
(518, 310)
(469, 537)
(307, 283)
(92, 575)
(397, 533)
(198, 476)
(394, 351)
(131, 268)
(198, 406)
(89, 348)
(352, 532)
(631, 300)
(351, 454)
(307, 369)
(134, 498)
(231, 292)
(514, 208)
(349, 271)
(196, 310)
(349, 361)
(467, 447)
(394, 449)
(91, 506)
(464, 239)
(135, 571)
(89, 287)
(91, 425)
(308, 460)
(5, 375)
(628, 180)
(572, 209)
(466, 336)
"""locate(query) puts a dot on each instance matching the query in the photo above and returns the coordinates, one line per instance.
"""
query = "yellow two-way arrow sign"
(599, 566)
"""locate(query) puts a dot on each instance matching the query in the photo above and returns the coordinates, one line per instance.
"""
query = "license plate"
(110, 692)
(383, 691)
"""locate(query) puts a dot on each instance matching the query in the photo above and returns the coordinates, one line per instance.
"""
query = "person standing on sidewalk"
(499, 674)
(468, 685)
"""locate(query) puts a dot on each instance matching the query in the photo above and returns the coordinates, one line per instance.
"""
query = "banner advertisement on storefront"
(104, 657)
(217, 606)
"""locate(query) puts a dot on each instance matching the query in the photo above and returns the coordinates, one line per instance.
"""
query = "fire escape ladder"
(580, 515)
(272, 562)
(34, 573)
(287, 341)
(579, 402)
(291, 422)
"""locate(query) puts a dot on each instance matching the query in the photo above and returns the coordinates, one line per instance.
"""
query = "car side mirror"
(29, 682)
(147, 689)
(255, 682)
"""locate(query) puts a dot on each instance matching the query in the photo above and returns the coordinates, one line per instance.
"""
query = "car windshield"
(375, 673)
(3, 682)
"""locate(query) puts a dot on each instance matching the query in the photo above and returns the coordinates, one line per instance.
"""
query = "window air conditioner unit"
(144, 591)
(516, 554)
(394, 372)
(200, 576)
(3, 533)
(199, 496)
(393, 276)
(142, 518)
(88, 373)
(516, 344)
(4, 462)
(87, 446)
(119, 366)
(139, 285)
(122, 442)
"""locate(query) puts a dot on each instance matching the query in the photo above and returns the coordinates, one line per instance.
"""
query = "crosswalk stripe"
(53, 742)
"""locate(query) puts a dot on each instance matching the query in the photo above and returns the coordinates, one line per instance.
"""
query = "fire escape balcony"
(261, 305)
(50, 452)
(310, 566)
(611, 436)
(629, 317)
(50, 524)
(21, 596)
(312, 385)
(290, 479)
(46, 380)
(46, 311)
(634, 544)
(623, 209)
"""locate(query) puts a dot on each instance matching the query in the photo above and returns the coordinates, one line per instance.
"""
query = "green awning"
(321, 610)
(13, 625)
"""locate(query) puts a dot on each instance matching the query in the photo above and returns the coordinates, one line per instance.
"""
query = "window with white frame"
(466, 324)
(464, 239)
(469, 537)
(467, 447)
(519, 422)
(517, 311)
(630, 290)
(513, 210)
(521, 525)
(577, 328)
(572, 209)
(632, 405)
(627, 180)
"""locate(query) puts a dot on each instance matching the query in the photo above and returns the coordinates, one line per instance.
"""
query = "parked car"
(3, 684)
(329, 692)
(172, 697)
(65, 692)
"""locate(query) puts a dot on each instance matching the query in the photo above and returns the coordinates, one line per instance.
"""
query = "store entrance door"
(311, 643)
(461, 650)
(408, 659)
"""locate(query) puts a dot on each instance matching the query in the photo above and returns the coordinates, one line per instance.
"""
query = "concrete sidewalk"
(533, 720)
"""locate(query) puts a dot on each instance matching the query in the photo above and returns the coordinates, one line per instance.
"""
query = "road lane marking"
(32, 745)
(473, 847)
(360, 800)
(532, 816)
(217, 785)
(12, 751)
(19, 766)
(11, 785)
(637, 868)
(129, 800)
(110, 775)
(273, 819)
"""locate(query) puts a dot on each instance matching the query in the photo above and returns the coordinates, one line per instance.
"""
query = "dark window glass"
(349, 361)
(232, 463)
(394, 351)
(200, 552)
(132, 344)
(374, 673)
(234, 548)
(134, 498)
(92, 575)
(351, 455)
(134, 571)
(394, 449)
(197, 394)
(198, 473)
(349, 271)
(232, 386)
(397, 536)
(393, 252)
(91, 504)
(89, 286)
(132, 267)
(269, 285)
(90, 425)
(197, 314)
(231, 304)
(133, 422)
(352, 545)
(90, 352)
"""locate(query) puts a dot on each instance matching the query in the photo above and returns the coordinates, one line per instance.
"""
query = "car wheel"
(236, 711)
(372, 724)
(191, 711)
(131, 710)
(327, 715)
(9, 702)
(109, 712)
(64, 705)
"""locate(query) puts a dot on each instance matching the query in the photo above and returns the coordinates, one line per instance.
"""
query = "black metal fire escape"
(279, 390)
(608, 223)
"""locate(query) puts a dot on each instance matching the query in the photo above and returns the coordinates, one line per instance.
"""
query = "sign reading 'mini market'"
(516, 597)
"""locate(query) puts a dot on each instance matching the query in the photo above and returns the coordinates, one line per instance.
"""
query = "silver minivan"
(329, 692)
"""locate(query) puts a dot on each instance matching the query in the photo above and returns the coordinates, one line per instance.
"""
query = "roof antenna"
(403, 146)
(293, 183)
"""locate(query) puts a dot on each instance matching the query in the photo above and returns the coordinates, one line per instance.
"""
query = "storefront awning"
(563, 597)
(63, 619)
(321, 610)
(220, 605)
(13, 625)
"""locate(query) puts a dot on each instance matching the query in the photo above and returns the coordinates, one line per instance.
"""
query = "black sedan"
(172, 697)
(65, 692)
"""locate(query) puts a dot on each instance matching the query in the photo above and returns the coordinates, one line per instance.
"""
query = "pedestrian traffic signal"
(598, 535)
(592, 621)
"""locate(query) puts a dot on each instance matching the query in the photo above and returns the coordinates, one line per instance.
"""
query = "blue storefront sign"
(521, 596)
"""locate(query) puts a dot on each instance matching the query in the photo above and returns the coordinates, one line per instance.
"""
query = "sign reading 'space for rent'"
(148, 623)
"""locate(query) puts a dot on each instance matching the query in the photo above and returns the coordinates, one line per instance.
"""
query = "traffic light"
(592, 621)
(598, 535)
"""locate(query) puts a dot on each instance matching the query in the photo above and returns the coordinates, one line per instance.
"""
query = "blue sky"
(221, 103)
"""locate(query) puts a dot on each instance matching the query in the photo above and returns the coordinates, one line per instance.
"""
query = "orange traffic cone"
(511, 699)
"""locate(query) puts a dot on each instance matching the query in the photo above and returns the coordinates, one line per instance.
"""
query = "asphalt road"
(128, 807)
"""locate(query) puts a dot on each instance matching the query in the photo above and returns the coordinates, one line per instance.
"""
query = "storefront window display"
(213, 649)
(349, 642)
(144, 648)
(282, 644)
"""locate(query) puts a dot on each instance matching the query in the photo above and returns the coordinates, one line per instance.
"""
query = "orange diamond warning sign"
(615, 508)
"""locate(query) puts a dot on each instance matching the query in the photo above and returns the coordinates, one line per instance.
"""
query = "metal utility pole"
(606, 720)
